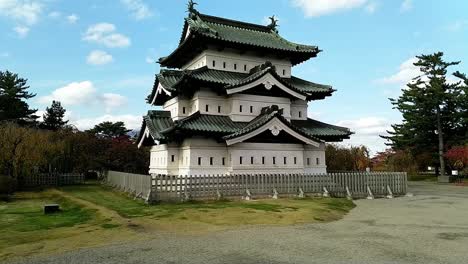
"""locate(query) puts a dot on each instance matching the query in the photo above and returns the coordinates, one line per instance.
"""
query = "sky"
(98, 57)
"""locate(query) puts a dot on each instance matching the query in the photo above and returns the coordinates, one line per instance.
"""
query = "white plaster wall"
(311, 154)
(161, 159)
(226, 59)
(230, 105)
(176, 106)
(299, 110)
(258, 151)
(187, 153)
(257, 102)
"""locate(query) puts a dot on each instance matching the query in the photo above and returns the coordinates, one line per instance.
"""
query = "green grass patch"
(203, 211)
(108, 226)
(22, 220)
(25, 213)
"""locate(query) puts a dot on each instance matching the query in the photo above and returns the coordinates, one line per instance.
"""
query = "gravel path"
(431, 227)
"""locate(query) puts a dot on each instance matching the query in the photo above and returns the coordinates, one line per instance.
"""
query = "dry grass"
(95, 215)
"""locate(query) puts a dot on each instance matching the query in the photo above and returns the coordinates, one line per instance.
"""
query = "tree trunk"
(441, 143)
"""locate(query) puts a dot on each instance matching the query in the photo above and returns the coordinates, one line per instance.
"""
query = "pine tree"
(431, 110)
(54, 117)
(13, 96)
(110, 130)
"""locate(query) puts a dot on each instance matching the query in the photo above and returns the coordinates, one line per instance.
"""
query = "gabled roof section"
(158, 127)
(209, 123)
(272, 119)
(201, 29)
(173, 81)
(322, 130)
(153, 123)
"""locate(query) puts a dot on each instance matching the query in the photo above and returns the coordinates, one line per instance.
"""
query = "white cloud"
(99, 57)
(105, 34)
(138, 9)
(75, 93)
(406, 5)
(367, 131)
(22, 11)
(150, 60)
(83, 93)
(314, 8)
(55, 14)
(22, 31)
(131, 121)
(111, 100)
(72, 18)
(371, 7)
(407, 71)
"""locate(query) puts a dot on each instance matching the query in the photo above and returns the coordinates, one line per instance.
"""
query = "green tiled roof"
(209, 123)
(200, 30)
(243, 33)
(320, 129)
(170, 80)
(157, 121)
(255, 123)
(161, 126)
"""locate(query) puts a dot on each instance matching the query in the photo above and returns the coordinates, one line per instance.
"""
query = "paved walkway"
(431, 227)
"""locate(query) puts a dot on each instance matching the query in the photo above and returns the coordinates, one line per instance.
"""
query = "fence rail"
(51, 179)
(138, 184)
(183, 187)
(356, 185)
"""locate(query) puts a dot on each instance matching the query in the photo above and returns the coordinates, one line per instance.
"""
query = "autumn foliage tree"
(339, 158)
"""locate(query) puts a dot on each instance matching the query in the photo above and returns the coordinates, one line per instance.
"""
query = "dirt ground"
(430, 227)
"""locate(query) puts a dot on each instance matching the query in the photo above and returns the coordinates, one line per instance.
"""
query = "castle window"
(285, 160)
(251, 109)
(172, 158)
(199, 160)
(240, 160)
(274, 160)
(183, 110)
(251, 160)
(214, 63)
(224, 161)
(300, 114)
(284, 72)
(295, 160)
(219, 109)
(308, 161)
(245, 67)
(317, 161)
(224, 65)
(235, 66)
(263, 160)
(240, 108)
(206, 108)
(211, 160)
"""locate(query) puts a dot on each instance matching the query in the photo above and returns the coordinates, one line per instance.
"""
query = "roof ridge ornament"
(191, 9)
(273, 24)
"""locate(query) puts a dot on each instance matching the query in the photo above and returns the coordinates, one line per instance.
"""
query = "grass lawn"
(93, 215)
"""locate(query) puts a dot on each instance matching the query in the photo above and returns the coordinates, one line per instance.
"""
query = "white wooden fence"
(51, 179)
(184, 187)
(354, 185)
(140, 185)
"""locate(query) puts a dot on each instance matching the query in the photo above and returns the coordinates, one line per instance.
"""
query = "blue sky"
(97, 57)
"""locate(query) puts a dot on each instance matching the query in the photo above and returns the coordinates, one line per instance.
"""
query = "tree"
(54, 117)
(13, 96)
(346, 159)
(110, 130)
(431, 110)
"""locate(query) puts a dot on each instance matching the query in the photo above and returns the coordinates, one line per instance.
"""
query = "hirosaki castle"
(230, 103)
